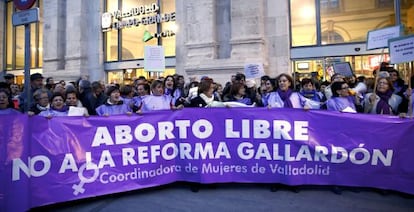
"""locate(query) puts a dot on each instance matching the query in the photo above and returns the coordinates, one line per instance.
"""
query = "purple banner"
(45, 161)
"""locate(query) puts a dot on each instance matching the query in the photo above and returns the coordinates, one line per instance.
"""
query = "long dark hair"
(336, 86)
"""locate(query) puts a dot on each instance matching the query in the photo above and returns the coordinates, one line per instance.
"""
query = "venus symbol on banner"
(78, 188)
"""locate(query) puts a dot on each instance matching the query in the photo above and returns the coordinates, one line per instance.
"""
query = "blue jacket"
(112, 109)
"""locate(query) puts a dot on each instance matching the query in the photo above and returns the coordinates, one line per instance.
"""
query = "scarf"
(311, 95)
(108, 102)
(207, 100)
(284, 95)
(41, 108)
(383, 107)
(63, 109)
(168, 91)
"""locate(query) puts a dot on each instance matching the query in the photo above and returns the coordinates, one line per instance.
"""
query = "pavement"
(241, 197)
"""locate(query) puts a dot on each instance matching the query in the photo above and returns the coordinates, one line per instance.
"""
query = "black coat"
(197, 102)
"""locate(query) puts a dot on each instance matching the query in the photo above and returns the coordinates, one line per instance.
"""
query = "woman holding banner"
(170, 88)
(267, 86)
(284, 97)
(384, 101)
(5, 100)
(205, 97)
(57, 107)
(341, 99)
(72, 101)
(158, 100)
(238, 94)
(113, 105)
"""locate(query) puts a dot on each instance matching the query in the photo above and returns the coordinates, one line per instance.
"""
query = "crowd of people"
(389, 95)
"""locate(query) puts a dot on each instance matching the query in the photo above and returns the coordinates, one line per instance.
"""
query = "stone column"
(54, 36)
(247, 34)
(83, 54)
(277, 35)
(94, 50)
(180, 37)
(199, 24)
(75, 57)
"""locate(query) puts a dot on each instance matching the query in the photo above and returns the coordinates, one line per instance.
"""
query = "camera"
(357, 49)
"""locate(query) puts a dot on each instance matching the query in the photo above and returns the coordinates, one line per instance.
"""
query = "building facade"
(106, 39)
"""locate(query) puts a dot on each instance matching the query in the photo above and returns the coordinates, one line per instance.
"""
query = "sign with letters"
(253, 70)
(25, 17)
(343, 68)
(401, 49)
(154, 59)
(379, 38)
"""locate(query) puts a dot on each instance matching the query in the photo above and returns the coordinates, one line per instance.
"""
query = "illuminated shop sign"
(135, 17)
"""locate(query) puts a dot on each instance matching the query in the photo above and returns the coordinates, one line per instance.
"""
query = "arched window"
(331, 37)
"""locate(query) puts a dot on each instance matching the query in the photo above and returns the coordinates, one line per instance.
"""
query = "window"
(132, 37)
(330, 37)
(407, 16)
(341, 21)
(385, 3)
(136, 24)
(14, 41)
(329, 5)
(111, 37)
(303, 22)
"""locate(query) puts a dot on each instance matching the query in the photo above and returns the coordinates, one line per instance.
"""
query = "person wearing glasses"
(285, 97)
(41, 97)
(384, 101)
(334, 78)
(341, 99)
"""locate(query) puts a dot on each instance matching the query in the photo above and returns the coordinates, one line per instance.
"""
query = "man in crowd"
(36, 82)
(9, 78)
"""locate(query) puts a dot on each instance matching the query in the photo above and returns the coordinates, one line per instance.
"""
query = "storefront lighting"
(307, 12)
(174, 27)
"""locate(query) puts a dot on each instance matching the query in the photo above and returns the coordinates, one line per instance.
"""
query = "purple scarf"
(168, 91)
(383, 107)
(284, 95)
